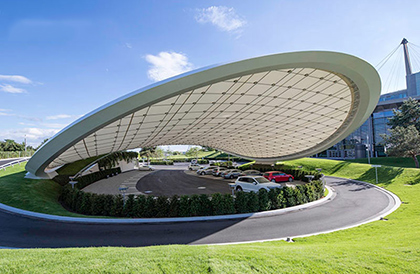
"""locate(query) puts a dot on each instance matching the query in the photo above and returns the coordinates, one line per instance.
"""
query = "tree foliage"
(406, 115)
(404, 137)
(403, 142)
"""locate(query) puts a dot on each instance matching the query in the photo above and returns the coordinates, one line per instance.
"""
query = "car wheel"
(238, 188)
(290, 179)
(272, 180)
(231, 177)
(202, 173)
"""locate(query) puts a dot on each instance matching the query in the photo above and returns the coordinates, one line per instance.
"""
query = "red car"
(278, 176)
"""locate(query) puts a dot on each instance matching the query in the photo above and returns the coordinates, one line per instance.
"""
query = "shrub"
(128, 210)
(272, 196)
(253, 204)
(184, 206)
(264, 201)
(108, 205)
(205, 206)
(118, 206)
(241, 202)
(174, 206)
(281, 200)
(298, 196)
(195, 205)
(85, 204)
(150, 207)
(162, 206)
(162, 162)
(95, 205)
(140, 206)
(289, 196)
(319, 188)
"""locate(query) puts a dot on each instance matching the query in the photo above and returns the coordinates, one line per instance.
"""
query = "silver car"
(206, 170)
(254, 183)
(232, 173)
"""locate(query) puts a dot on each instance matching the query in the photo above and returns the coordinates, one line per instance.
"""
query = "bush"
(166, 163)
(194, 205)
(162, 206)
(264, 201)
(174, 206)
(241, 202)
(140, 206)
(184, 206)
(118, 206)
(150, 207)
(128, 210)
(281, 200)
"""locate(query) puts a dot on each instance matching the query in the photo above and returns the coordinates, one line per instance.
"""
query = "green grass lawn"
(33, 195)
(387, 161)
(391, 246)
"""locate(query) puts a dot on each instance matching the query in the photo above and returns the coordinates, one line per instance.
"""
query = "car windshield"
(261, 180)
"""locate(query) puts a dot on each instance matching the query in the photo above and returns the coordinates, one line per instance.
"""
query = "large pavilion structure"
(270, 108)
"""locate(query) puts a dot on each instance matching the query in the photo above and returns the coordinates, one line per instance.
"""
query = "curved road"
(354, 203)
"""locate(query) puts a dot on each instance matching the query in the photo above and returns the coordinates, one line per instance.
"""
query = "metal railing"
(13, 163)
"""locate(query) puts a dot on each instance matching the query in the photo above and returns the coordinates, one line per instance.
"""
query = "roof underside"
(265, 115)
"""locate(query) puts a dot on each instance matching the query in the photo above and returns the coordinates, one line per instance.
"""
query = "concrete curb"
(30, 214)
(377, 217)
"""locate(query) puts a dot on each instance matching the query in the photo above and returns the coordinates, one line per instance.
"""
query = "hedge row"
(88, 179)
(166, 163)
(186, 206)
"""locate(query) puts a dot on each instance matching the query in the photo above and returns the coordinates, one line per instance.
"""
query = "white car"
(206, 170)
(254, 183)
(194, 167)
(146, 167)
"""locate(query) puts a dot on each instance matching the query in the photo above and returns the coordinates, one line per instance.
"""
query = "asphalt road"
(170, 182)
(5, 161)
(354, 203)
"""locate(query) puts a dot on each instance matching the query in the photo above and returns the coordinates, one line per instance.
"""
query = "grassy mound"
(391, 246)
(33, 195)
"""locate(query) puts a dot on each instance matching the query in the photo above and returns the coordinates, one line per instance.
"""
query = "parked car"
(254, 183)
(194, 167)
(278, 176)
(232, 173)
(205, 170)
(146, 167)
(252, 172)
(218, 170)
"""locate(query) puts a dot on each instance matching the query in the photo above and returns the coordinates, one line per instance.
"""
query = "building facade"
(368, 136)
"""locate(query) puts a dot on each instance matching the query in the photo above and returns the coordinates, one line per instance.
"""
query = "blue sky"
(61, 59)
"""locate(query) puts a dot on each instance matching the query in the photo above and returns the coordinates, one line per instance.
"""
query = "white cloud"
(224, 18)
(11, 89)
(167, 64)
(59, 116)
(15, 78)
(34, 136)
(128, 45)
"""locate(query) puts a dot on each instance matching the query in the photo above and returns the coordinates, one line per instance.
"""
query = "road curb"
(48, 217)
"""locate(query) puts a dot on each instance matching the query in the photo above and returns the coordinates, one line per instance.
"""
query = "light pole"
(376, 171)
(123, 190)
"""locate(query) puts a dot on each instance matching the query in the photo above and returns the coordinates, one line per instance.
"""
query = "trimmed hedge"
(186, 206)
(166, 163)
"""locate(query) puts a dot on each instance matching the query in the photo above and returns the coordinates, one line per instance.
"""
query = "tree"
(407, 114)
(147, 152)
(192, 152)
(403, 142)
(11, 145)
(158, 153)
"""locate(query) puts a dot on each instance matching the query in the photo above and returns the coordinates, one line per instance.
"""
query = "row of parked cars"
(247, 180)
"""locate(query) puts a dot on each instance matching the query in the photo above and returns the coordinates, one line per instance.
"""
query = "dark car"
(278, 176)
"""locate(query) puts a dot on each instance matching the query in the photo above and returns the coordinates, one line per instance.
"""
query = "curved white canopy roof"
(275, 107)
